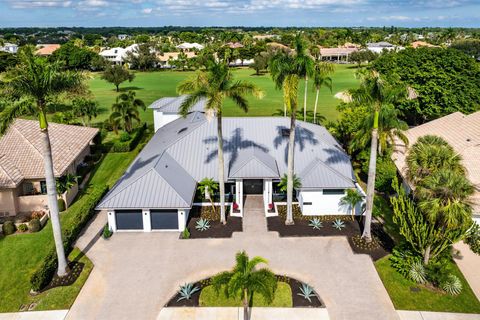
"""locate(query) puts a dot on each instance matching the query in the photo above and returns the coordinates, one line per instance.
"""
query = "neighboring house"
(190, 46)
(22, 178)
(46, 49)
(118, 55)
(158, 190)
(418, 44)
(337, 54)
(165, 58)
(122, 37)
(165, 110)
(9, 47)
(462, 132)
(379, 47)
(234, 45)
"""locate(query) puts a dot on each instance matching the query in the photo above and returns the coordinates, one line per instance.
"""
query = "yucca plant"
(306, 292)
(338, 224)
(202, 224)
(315, 223)
(186, 291)
(417, 272)
(452, 285)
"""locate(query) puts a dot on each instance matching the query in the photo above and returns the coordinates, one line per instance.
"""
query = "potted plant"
(235, 207)
(271, 207)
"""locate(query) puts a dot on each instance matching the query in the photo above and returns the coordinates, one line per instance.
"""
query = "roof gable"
(254, 163)
(317, 173)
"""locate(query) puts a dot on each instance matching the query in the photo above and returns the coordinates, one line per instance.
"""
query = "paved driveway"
(135, 274)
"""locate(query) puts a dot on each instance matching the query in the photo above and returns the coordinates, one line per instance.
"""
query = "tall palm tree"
(431, 154)
(376, 94)
(304, 65)
(216, 85)
(321, 78)
(34, 78)
(351, 199)
(125, 111)
(244, 280)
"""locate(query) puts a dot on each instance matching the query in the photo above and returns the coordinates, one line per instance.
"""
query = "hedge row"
(129, 145)
(75, 219)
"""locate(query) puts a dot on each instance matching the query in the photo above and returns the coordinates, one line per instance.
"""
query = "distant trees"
(117, 74)
(74, 56)
(361, 56)
(260, 63)
(85, 109)
(470, 47)
(143, 58)
(7, 60)
(446, 81)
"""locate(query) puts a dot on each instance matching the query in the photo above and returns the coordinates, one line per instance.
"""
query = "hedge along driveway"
(21, 255)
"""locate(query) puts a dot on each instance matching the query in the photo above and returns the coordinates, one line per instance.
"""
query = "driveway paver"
(135, 274)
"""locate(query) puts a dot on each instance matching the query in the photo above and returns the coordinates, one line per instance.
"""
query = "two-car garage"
(146, 220)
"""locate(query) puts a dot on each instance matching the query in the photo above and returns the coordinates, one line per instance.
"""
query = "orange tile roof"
(47, 49)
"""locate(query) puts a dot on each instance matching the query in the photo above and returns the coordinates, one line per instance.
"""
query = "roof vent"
(182, 130)
(285, 132)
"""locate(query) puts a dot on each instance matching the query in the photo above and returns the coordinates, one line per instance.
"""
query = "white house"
(379, 47)
(118, 55)
(158, 190)
(122, 36)
(10, 48)
(190, 46)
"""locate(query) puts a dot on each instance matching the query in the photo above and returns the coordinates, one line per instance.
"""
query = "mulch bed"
(216, 230)
(75, 270)
(380, 246)
(298, 301)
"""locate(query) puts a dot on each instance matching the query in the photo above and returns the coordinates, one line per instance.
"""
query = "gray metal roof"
(172, 104)
(189, 147)
(252, 163)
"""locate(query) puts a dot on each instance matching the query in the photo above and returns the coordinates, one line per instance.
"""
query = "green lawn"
(21, 254)
(151, 86)
(427, 300)
(283, 298)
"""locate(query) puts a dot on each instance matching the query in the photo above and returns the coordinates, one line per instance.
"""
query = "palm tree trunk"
(52, 198)
(305, 99)
(290, 169)
(315, 109)
(221, 169)
(245, 304)
(426, 256)
(372, 167)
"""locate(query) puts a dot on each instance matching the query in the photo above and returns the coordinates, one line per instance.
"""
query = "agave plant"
(306, 292)
(315, 223)
(186, 291)
(338, 224)
(417, 272)
(452, 285)
(202, 224)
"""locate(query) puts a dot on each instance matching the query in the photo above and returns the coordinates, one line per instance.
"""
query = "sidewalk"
(428, 315)
(35, 315)
(469, 262)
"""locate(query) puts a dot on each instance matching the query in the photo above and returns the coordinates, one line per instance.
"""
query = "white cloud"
(93, 3)
(147, 10)
(23, 4)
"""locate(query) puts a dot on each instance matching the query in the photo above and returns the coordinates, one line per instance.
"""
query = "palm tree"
(208, 186)
(37, 79)
(216, 85)
(244, 280)
(304, 65)
(86, 109)
(284, 182)
(351, 199)
(125, 110)
(429, 155)
(321, 78)
(377, 95)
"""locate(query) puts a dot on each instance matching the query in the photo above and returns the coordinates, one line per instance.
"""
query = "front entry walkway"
(254, 221)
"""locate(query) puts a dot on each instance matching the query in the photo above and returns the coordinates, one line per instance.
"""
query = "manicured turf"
(151, 86)
(283, 298)
(404, 299)
(21, 254)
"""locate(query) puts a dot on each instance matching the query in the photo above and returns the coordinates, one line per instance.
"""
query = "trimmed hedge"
(8, 228)
(76, 218)
(127, 146)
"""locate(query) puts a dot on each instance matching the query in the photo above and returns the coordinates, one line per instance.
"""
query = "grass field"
(151, 86)
(425, 299)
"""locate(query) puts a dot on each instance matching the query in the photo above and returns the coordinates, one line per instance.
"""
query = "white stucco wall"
(160, 119)
(322, 204)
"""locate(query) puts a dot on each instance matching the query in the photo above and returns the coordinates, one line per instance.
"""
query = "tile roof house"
(47, 49)
(22, 178)
(462, 132)
(161, 182)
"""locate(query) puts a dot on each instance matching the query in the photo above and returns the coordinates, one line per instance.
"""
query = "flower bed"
(287, 295)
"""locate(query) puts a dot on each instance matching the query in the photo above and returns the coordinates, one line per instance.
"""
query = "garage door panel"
(164, 220)
(129, 220)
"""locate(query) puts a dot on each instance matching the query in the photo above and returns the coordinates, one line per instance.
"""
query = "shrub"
(472, 238)
(402, 260)
(124, 136)
(78, 216)
(23, 227)
(129, 145)
(8, 228)
(452, 285)
(438, 272)
(202, 224)
(34, 225)
(37, 214)
(186, 234)
(107, 233)
(417, 272)
(61, 205)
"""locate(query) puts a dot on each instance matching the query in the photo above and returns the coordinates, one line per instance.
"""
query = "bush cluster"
(8, 228)
(34, 225)
(131, 143)
(78, 216)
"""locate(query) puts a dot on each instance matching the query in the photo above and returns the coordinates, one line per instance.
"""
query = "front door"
(253, 186)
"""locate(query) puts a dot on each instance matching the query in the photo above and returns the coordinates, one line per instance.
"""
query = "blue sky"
(409, 13)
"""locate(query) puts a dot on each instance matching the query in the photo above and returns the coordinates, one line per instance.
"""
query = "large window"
(43, 187)
(333, 191)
